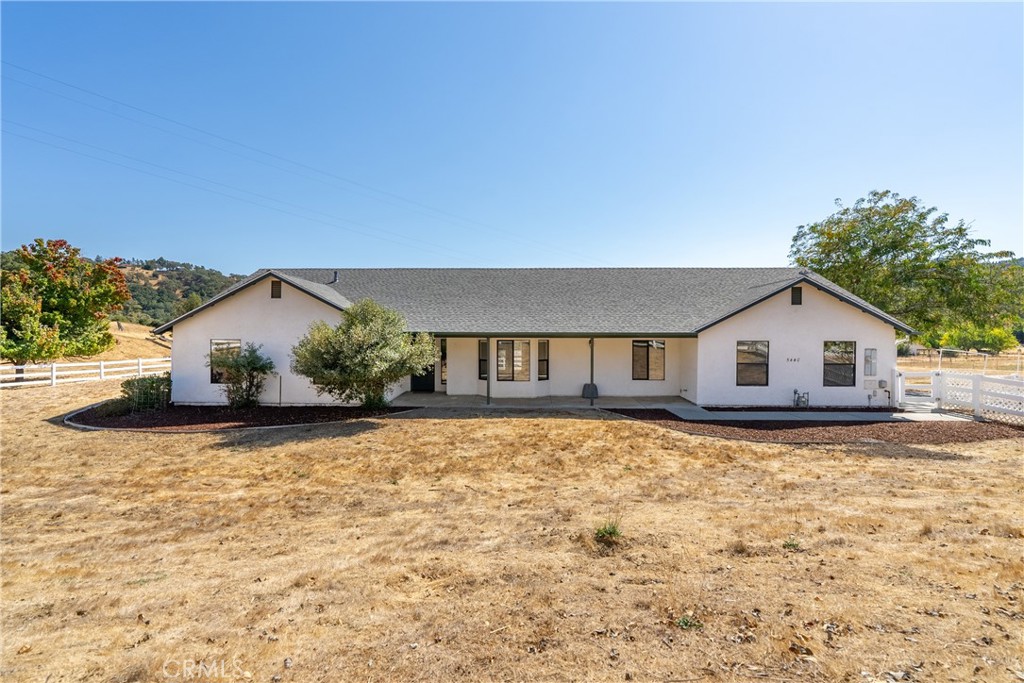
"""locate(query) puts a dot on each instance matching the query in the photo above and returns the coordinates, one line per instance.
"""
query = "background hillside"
(162, 289)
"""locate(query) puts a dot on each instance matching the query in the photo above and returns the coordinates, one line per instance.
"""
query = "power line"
(232, 187)
(349, 181)
(408, 241)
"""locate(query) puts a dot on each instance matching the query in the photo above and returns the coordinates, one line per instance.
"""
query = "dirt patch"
(206, 418)
(793, 431)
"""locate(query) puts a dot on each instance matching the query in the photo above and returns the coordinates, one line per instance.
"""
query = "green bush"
(146, 393)
(364, 355)
(608, 533)
(243, 373)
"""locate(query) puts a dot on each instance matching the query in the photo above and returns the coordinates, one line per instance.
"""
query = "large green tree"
(912, 261)
(367, 352)
(55, 303)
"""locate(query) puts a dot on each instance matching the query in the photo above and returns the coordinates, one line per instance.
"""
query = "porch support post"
(488, 371)
(591, 365)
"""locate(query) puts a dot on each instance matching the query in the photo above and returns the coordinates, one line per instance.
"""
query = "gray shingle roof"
(554, 301)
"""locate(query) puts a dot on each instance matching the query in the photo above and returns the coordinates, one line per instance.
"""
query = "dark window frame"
(443, 364)
(543, 360)
(648, 344)
(852, 352)
(216, 376)
(275, 289)
(515, 378)
(746, 364)
(796, 296)
(482, 356)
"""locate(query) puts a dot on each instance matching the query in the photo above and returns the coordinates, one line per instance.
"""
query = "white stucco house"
(714, 336)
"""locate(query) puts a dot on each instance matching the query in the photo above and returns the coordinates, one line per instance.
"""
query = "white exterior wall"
(251, 316)
(796, 337)
(569, 369)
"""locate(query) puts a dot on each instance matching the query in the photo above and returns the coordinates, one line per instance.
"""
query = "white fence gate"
(996, 398)
(17, 376)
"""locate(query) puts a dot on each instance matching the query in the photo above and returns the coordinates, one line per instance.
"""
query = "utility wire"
(408, 241)
(349, 181)
(235, 188)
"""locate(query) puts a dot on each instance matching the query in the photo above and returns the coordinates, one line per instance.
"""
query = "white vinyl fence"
(17, 376)
(994, 398)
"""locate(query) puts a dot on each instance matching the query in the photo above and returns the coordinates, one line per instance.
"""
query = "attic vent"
(275, 289)
(334, 281)
(796, 296)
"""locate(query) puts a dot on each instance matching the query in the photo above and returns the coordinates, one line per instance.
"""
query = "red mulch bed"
(791, 431)
(204, 418)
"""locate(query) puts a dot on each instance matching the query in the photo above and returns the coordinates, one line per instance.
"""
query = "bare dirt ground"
(442, 546)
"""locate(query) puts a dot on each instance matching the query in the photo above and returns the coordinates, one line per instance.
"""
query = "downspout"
(591, 365)
(488, 371)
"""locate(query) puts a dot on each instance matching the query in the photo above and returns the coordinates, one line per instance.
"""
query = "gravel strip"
(789, 431)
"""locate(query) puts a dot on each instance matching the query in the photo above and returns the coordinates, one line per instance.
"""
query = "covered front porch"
(510, 367)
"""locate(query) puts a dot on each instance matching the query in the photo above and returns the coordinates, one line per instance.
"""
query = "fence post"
(938, 389)
(53, 374)
(140, 367)
(103, 374)
(976, 394)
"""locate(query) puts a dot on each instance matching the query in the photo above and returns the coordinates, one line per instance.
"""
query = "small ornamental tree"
(54, 302)
(364, 355)
(243, 374)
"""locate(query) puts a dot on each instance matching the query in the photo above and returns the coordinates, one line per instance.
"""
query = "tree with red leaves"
(55, 303)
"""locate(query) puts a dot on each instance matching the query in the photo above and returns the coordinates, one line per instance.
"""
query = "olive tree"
(367, 352)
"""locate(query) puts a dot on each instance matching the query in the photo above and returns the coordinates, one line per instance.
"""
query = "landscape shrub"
(145, 393)
(243, 374)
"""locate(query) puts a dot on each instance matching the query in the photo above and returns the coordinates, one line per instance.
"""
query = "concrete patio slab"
(674, 404)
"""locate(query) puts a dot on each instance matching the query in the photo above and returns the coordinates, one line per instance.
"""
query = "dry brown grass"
(440, 547)
(135, 341)
(1006, 363)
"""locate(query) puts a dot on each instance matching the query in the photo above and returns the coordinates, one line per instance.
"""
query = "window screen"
(870, 362)
(220, 350)
(649, 359)
(481, 352)
(752, 363)
(840, 363)
(542, 359)
(513, 360)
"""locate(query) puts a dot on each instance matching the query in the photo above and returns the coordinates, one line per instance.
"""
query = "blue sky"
(499, 134)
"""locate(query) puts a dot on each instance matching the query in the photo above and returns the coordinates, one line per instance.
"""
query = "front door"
(424, 382)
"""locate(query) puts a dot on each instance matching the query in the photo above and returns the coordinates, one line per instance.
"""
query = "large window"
(221, 349)
(542, 359)
(481, 354)
(513, 360)
(751, 363)
(840, 363)
(649, 359)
